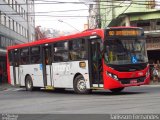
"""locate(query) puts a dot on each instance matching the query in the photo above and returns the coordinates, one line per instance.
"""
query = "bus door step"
(98, 85)
(49, 87)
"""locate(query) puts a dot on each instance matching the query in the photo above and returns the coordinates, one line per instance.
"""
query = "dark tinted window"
(24, 56)
(77, 49)
(61, 52)
(35, 50)
(16, 57)
(35, 55)
(61, 46)
(24, 52)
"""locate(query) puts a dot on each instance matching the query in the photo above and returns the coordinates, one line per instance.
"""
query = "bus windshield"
(125, 51)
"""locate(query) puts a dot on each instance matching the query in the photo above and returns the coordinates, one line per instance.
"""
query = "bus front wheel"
(79, 85)
(117, 90)
(29, 84)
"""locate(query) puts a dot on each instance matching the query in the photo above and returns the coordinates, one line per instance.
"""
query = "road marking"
(13, 89)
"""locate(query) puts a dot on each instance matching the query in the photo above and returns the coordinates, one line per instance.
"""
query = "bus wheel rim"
(81, 85)
(29, 84)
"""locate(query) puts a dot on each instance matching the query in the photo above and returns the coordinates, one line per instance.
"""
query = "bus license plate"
(133, 81)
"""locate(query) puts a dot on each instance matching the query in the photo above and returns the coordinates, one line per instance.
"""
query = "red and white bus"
(112, 58)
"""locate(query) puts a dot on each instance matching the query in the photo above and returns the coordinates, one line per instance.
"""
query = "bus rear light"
(112, 75)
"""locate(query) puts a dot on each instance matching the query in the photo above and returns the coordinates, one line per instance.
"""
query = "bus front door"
(16, 67)
(47, 66)
(95, 62)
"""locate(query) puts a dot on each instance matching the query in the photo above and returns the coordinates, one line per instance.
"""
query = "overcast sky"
(52, 22)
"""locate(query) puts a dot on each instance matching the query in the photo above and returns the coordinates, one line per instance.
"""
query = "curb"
(150, 85)
(5, 86)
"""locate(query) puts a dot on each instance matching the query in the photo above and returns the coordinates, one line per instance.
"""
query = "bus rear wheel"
(79, 85)
(117, 90)
(29, 84)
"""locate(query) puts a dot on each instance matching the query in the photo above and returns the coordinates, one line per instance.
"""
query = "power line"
(41, 14)
(57, 2)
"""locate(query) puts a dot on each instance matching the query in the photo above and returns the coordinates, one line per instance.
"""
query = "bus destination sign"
(125, 32)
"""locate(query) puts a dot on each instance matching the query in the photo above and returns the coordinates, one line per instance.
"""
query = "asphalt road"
(143, 99)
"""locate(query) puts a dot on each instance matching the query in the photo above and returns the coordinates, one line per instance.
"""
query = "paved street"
(143, 99)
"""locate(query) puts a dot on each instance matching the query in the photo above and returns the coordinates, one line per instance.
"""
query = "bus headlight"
(112, 75)
(115, 77)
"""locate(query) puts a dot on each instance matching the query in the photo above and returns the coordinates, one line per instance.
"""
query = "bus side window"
(24, 56)
(48, 56)
(16, 57)
(77, 49)
(35, 55)
(61, 51)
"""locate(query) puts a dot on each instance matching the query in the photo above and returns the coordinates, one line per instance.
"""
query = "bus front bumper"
(110, 83)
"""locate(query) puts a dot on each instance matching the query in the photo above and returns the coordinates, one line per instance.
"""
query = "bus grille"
(129, 80)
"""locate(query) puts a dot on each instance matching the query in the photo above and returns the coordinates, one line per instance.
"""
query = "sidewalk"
(5, 86)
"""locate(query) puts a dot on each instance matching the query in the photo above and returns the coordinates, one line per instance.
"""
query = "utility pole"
(28, 29)
(98, 14)
(112, 8)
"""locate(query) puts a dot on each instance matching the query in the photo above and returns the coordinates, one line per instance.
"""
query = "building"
(17, 25)
(140, 13)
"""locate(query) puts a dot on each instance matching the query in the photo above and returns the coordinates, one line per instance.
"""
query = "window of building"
(8, 42)
(10, 2)
(158, 23)
(77, 49)
(0, 16)
(35, 55)
(142, 24)
(25, 16)
(6, 1)
(61, 52)
(26, 33)
(15, 26)
(14, 5)
(3, 42)
(3, 19)
(12, 23)
(19, 28)
(17, 8)
(21, 11)
(7, 21)
(151, 4)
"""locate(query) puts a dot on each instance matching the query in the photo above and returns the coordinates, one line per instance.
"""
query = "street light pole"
(68, 25)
